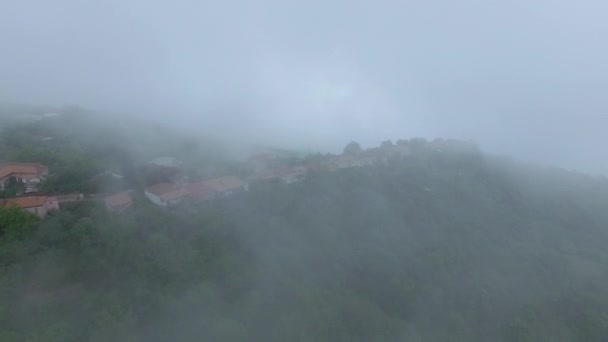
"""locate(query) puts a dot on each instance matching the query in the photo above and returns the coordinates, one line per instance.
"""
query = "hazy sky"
(527, 78)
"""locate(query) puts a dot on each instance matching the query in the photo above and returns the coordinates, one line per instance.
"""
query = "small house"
(30, 174)
(165, 194)
(228, 185)
(118, 202)
(39, 205)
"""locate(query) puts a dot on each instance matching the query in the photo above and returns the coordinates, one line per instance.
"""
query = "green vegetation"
(77, 146)
(82, 274)
(440, 246)
(352, 147)
(15, 223)
(11, 188)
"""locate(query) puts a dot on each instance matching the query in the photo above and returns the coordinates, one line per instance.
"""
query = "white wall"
(155, 199)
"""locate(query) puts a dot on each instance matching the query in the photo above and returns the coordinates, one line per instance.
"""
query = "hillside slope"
(436, 247)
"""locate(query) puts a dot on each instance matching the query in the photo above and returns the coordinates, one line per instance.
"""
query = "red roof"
(118, 200)
(200, 189)
(23, 169)
(166, 191)
(27, 202)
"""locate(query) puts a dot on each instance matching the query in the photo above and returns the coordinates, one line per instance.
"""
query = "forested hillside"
(439, 246)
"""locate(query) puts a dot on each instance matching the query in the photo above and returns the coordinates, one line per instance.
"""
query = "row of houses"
(264, 167)
(380, 155)
(165, 194)
(171, 194)
(168, 194)
(30, 175)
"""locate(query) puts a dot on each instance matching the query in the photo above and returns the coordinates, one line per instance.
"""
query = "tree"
(386, 144)
(418, 142)
(15, 221)
(352, 147)
(11, 188)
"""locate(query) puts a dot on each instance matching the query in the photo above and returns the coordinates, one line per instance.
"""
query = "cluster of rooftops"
(167, 194)
(261, 167)
(30, 175)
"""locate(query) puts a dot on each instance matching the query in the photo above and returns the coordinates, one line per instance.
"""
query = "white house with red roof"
(165, 194)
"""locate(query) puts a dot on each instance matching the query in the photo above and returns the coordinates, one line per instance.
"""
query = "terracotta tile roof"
(28, 202)
(200, 189)
(118, 200)
(227, 183)
(33, 170)
(167, 191)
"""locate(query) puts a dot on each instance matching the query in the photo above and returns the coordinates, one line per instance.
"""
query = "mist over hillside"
(523, 78)
(409, 240)
(320, 170)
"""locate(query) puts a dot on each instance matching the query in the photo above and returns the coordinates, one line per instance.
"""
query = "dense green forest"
(440, 246)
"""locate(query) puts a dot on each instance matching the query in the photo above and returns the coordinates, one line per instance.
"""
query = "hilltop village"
(118, 230)
(168, 184)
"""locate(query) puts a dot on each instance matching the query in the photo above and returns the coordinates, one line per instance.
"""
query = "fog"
(525, 78)
(114, 227)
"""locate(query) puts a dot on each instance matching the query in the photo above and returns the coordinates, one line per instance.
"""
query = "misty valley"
(133, 231)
